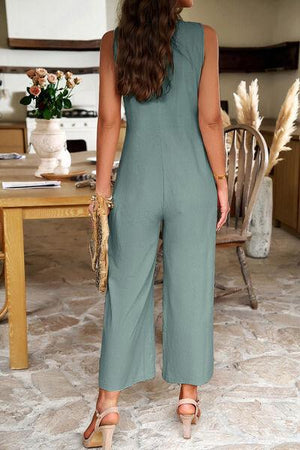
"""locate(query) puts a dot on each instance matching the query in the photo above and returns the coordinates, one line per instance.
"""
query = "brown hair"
(144, 53)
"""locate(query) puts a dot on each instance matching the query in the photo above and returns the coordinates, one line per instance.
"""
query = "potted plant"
(258, 246)
(260, 226)
(50, 93)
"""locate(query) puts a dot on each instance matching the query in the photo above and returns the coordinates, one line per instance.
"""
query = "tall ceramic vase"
(49, 142)
(258, 246)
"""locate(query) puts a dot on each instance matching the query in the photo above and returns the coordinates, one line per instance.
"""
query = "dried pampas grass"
(285, 126)
(247, 107)
(247, 104)
(225, 118)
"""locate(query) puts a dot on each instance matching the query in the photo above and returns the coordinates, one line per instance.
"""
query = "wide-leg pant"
(189, 215)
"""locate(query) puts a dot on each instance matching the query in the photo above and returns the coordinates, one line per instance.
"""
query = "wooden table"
(17, 205)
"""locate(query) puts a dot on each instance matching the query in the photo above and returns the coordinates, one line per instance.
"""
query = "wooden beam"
(284, 56)
(272, 58)
(54, 44)
(75, 70)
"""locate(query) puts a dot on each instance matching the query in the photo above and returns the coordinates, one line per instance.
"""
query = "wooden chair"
(247, 160)
(246, 163)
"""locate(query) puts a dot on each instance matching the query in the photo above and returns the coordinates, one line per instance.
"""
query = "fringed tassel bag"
(98, 245)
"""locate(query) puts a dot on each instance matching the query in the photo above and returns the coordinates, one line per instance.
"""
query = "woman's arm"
(210, 119)
(109, 116)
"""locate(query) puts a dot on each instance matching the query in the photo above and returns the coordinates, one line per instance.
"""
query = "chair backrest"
(247, 159)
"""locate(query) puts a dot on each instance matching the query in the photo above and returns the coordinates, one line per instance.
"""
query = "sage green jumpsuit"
(163, 177)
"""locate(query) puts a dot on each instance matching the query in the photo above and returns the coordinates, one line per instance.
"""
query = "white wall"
(81, 26)
(286, 27)
(237, 22)
(248, 23)
(56, 19)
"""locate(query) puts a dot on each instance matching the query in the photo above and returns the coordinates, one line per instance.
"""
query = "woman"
(172, 171)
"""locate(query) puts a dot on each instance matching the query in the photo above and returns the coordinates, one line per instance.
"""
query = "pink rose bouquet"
(49, 95)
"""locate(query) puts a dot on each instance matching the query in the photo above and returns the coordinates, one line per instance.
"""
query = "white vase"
(258, 246)
(49, 142)
(64, 163)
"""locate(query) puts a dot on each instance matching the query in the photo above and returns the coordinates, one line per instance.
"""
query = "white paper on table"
(30, 184)
(9, 156)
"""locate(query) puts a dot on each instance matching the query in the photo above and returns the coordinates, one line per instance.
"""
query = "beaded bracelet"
(108, 200)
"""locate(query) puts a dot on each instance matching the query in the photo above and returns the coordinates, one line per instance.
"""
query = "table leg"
(15, 286)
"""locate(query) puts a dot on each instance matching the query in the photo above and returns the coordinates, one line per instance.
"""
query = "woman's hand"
(223, 205)
(104, 193)
(91, 206)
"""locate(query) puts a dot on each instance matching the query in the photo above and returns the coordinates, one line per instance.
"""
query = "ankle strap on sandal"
(112, 409)
(185, 401)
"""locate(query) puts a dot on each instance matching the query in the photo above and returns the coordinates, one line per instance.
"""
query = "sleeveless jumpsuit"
(163, 177)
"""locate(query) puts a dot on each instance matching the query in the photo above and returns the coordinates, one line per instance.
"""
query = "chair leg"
(246, 275)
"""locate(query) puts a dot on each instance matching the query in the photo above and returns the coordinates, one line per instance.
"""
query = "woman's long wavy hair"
(145, 54)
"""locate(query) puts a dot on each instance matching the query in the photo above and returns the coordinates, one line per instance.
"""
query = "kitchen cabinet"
(286, 181)
(13, 137)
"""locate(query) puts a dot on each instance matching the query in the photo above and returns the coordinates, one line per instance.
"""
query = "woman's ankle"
(188, 391)
(107, 399)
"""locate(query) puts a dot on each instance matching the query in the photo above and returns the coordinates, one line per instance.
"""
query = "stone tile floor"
(251, 402)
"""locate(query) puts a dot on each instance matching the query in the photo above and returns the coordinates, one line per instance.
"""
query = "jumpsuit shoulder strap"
(198, 45)
(191, 41)
(201, 42)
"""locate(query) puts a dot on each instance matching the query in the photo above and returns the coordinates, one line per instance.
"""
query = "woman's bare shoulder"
(108, 36)
(210, 39)
(106, 44)
(210, 32)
